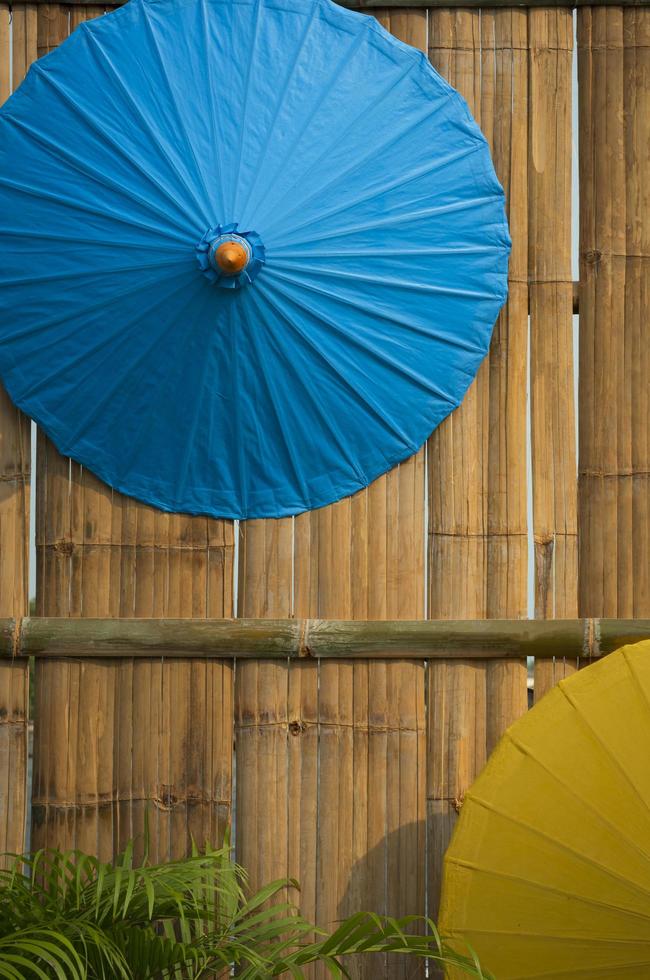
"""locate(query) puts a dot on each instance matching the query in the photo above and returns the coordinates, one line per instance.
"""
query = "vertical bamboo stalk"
(52, 27)
(458, 449)
(614, 278)
(5, 53)
(261, 733)
(554, 464)
(266, 568)
(24, 40)
(551, 319)
(635, 534)
(78, 15)
(505, 57)
(602, 301)
(15, 464)
(457, 456)
(477, 476)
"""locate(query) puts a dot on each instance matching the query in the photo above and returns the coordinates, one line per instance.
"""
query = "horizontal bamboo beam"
(370, 4)
(317, 638)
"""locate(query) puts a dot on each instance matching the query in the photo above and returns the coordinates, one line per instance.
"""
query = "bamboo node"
(297, 727)
(304, 650)
(16, 638)
(591, 641)
(64, 547)
(166, 798)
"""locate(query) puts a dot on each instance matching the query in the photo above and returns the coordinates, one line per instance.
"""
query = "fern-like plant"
(68, 916)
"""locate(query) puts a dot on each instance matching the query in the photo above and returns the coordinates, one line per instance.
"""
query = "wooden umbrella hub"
(232, 257)
(229, 258)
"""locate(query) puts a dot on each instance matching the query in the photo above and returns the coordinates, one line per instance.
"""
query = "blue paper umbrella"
(252, 251)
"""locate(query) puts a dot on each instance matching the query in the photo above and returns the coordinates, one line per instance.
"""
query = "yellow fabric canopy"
(548, 871)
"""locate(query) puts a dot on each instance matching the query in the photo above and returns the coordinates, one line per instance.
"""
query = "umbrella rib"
(239, 435)
(77, 239)
(547, 935)
(98, 272)
(183, 463)
(387, 252)
(85, 208)
(356, 341)
(281, 90)
(379, 315)
(569, 789)
(327, 420)
(383, 190)
(94, 174)
(635, 681)
(371, 407)
(216, 143)
(616, 764)
(401, 219)
(109, 391)
(410, 287)
(84, 354)
(179, 116)
(341, 134)
(102, 304)
(91, 36)
(587, 971)
(244, 120)
(291, 452)
(565, 847)
(541, 886)
(345, 58)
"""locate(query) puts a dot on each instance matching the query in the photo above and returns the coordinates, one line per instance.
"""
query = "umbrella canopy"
(548, 871)
(252, 252)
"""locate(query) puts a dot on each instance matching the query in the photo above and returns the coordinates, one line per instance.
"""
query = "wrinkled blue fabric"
(359, 175)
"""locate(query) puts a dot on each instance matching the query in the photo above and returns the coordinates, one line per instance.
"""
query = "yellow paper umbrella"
(548, 871)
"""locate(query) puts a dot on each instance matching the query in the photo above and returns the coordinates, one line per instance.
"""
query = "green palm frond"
(69, 916)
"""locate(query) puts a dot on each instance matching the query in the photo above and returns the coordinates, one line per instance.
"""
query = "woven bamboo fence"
(348, 772)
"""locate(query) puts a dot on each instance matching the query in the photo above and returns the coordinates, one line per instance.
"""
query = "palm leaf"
(68, 916)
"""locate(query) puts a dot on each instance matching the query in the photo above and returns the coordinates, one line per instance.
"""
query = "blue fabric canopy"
(252, 251)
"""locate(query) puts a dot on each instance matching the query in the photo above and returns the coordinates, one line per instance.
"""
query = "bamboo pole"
(373, 5)
(457, 456)
(25, 39)
(15, 465)
(52, 26)
(504, 41)
(308, 641)
(614, 286)
(602, 298)
(266, 568)
(551, 328)
(477, 478)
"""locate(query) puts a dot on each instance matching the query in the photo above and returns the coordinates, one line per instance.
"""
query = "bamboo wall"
(349, 774)
(614, 91)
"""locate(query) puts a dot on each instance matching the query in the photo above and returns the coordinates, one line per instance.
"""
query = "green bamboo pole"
(313, 638)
